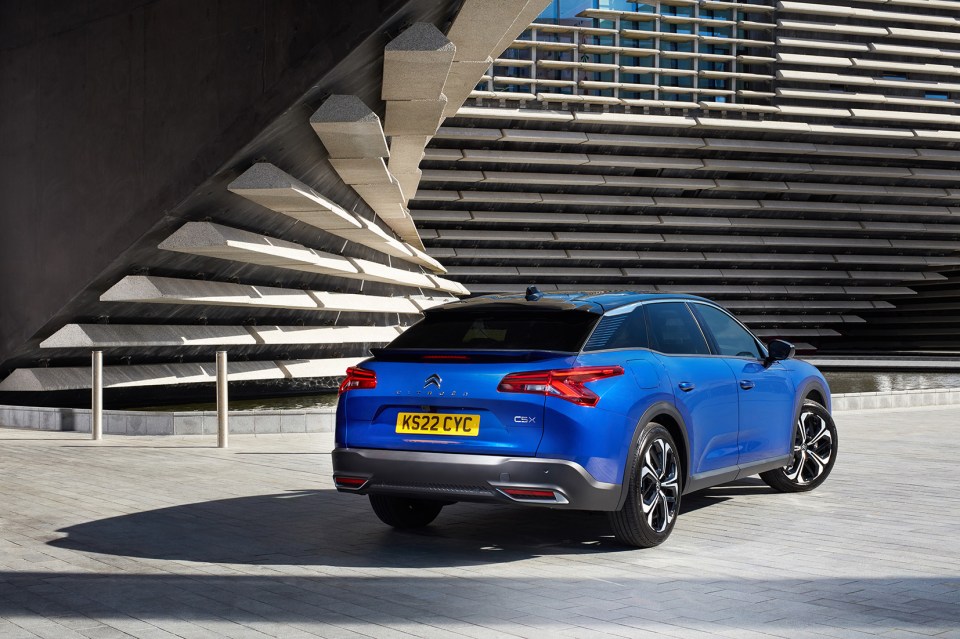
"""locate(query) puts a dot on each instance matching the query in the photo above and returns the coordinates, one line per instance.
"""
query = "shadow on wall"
(68, 420)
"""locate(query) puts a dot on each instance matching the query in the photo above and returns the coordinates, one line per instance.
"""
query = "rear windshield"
(527, 330)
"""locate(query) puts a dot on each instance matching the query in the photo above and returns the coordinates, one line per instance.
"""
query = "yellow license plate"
(438, 424)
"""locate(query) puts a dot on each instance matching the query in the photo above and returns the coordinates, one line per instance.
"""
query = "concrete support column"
(616, 57)
(96, 392)
(222, 400)
(532, 69)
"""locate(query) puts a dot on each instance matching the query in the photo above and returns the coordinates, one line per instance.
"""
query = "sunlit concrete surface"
(170, 537)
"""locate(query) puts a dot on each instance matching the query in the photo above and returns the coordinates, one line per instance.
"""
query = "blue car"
(618, 402)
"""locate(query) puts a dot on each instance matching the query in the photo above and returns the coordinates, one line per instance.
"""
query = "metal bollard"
(96, 399)
(222, 400)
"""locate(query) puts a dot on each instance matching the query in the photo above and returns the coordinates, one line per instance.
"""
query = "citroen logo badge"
(433, 380)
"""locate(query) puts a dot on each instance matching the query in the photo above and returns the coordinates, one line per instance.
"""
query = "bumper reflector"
(350, 482)
(530, 493)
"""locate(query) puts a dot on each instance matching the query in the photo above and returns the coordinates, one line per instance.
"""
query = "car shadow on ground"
(324, 527)
(313, 557)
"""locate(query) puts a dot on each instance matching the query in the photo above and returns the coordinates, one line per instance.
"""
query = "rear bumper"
(480, 478)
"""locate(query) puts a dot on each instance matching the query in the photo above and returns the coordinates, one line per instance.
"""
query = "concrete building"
(296, 181)
(796, 161)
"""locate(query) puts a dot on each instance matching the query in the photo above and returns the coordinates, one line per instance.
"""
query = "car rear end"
(455, 409)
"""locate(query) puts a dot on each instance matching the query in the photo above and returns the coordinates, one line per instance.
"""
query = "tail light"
(565, 384)
(358, 378)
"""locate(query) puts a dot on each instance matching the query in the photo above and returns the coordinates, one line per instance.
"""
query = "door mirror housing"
(779, 350)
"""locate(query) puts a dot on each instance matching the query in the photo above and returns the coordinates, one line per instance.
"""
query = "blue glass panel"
(616, 5)
(570, 8)
(550, 13)
(670, 10)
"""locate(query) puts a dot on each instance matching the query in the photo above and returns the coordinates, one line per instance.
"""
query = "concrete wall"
(896, 399)
(113, 113)
(118, 422)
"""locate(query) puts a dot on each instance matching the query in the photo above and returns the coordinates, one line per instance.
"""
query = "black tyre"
(814, 452)
(653, 497)
(405, 512)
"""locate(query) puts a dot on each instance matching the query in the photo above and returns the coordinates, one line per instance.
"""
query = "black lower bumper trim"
(480, 478)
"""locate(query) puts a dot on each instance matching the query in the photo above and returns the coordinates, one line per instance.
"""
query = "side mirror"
(778, 350)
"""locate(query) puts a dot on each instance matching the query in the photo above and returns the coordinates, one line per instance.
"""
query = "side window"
(731, 338)
(627, 330)
(674, 331)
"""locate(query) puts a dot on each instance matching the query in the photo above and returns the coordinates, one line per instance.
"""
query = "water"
(840, 382)
(872, 382)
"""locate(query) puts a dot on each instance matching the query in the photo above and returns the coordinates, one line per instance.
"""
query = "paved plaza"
(170, 537)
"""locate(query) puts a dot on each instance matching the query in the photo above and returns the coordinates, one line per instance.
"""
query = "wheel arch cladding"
(812, 389)
(816, 396)
(679, 438)
(667, 416)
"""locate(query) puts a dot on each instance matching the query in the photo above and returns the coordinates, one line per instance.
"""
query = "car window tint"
(534, 330)
(732, 339)
(626, 330)
(673, 330)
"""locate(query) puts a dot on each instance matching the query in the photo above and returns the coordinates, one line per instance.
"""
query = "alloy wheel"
(659, 485)
(812, 449)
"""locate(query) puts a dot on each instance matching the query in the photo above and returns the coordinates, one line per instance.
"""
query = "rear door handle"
(686, 387)
(746, 384)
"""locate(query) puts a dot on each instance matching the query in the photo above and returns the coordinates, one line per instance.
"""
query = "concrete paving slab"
(172, 537)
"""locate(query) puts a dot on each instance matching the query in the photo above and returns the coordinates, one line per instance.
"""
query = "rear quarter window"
(622, 330)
